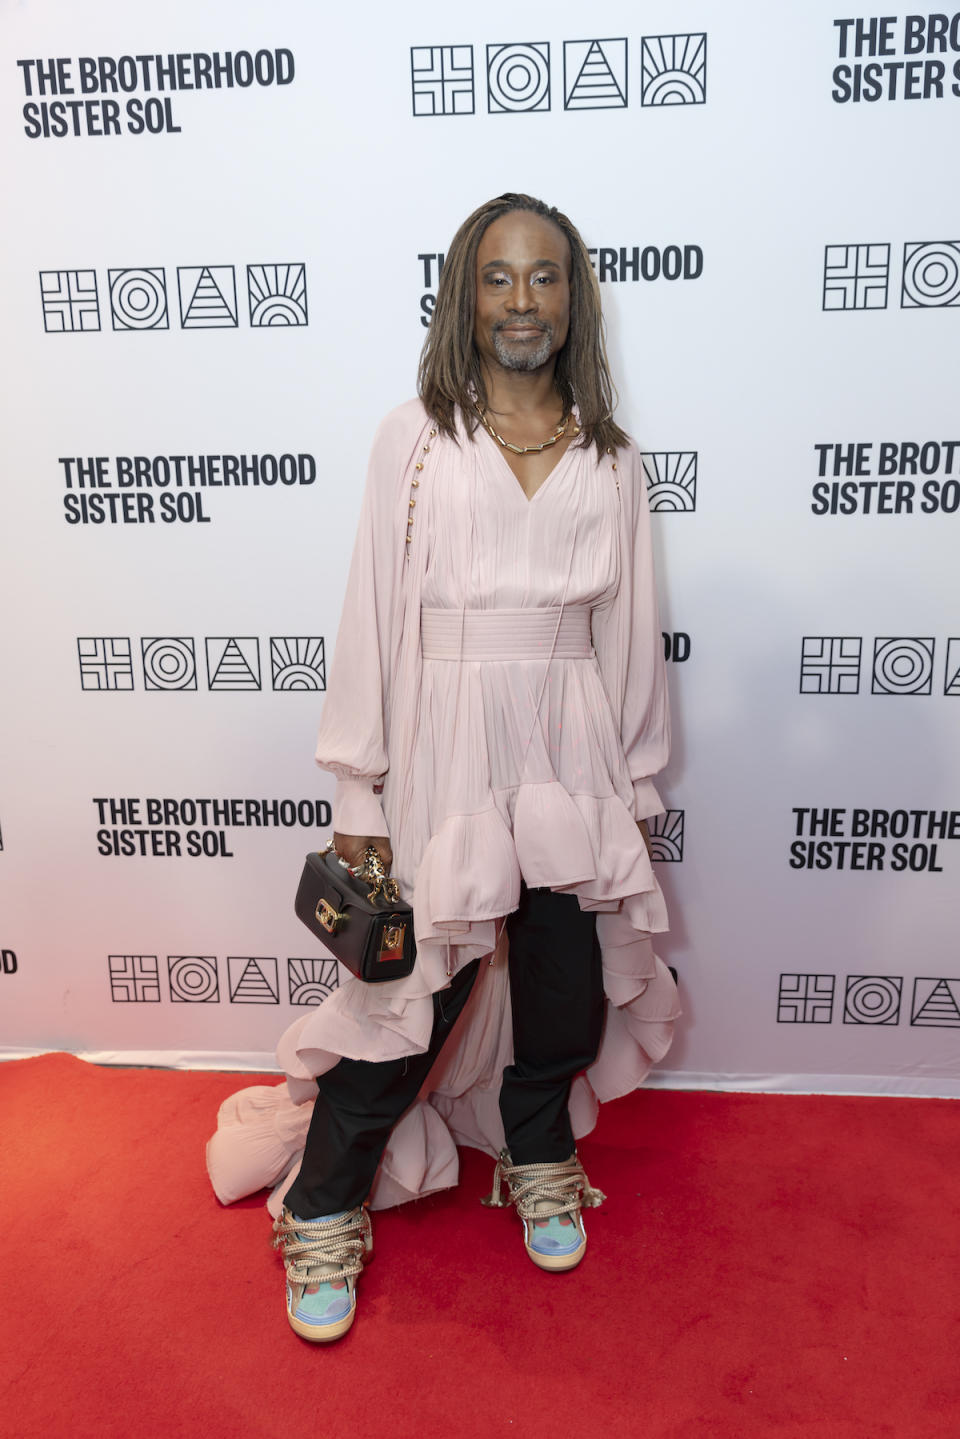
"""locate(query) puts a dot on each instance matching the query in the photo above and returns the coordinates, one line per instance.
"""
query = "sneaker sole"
(556, 1262)
(322, 1333)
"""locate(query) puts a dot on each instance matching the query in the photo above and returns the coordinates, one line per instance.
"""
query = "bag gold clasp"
(326, 915)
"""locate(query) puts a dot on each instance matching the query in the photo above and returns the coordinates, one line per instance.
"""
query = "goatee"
(523, 355)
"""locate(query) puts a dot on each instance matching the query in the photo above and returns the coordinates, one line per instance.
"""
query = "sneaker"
(323, 1258)
(548, 1199)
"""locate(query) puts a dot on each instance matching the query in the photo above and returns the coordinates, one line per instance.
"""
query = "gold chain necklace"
(525, 449)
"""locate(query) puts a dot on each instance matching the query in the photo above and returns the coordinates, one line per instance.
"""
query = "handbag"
(357, 914)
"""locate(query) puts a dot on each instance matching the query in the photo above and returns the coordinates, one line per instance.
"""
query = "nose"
(523, 298)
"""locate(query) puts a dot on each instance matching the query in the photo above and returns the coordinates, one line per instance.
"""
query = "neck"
(521, 392)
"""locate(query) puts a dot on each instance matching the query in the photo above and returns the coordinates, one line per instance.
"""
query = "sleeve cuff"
(357, 810)
(646, 801)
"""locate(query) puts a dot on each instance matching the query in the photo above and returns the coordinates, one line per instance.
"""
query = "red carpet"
(765, 1266)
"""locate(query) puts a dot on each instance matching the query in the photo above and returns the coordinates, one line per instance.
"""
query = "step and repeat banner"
(225, 226)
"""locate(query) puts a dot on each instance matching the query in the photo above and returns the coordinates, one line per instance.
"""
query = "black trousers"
(556, 995)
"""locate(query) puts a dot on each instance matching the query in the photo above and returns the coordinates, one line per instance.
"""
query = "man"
(496, 709)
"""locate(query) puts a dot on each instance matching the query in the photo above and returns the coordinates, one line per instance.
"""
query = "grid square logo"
(872, 999)
(298, 662)
(936, 1003)
(252, 979)
(193, 978)
(931, 275)
(666, 836)
(951, 675)
(830, 665)
(208, 297)
(311, 980)
(233, 662)
(518, 77)
(70, 301)
(277, 294)
(106, 662)
(134, 979)
(805, 999)
(138, 299)
(903, 666)
(442, 79)
(169, 663)
(855, 277)
(671, 477)
(595, 74)
(673, 69)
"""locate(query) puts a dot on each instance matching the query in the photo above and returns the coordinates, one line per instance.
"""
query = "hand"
(351, 846)
(642, 827)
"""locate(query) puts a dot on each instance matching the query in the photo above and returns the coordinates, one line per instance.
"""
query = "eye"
(497, 280)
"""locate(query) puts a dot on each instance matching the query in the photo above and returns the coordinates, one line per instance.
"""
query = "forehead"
(522, 238)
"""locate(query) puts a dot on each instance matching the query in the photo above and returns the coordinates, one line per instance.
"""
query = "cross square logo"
(903, 666)
(297, 663)
(278, 295)
(253, 980)
(805, 999)
(518, 77)
(830, 665)
(193, 978)
(951, 675)
(666, 836)
(169, 663)
(595, 74)
(138, 299)
(105, 663)
(674, 69)
(872, 999)
(936, 1003)
(208, 297)
(70, 301)
(855, 277)
(931, 274)
(134, 979)
(233, 662)
(311, 980)
(442, 79)
(671, 479)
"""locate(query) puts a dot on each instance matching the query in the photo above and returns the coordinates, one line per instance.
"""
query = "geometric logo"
(830, 665)
(666, 836)
(134, 979)
(297, 663)
(208, 297)
(594, 74)
(951, 679)
(872, 999)
(193, 978)
(138, 299)
(442, 77)
(518, 77)
(311, 980)
(674, 69)
(105, 663)
(931, 275)
(253, 981)
(671, 479)
(233, 662)
(69, 299)
(278, 295)
(903, 666)
(936, 1003)
(855, 277)
(805, 999)
(169, 663)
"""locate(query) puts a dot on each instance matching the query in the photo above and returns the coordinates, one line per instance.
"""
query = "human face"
(523, 292)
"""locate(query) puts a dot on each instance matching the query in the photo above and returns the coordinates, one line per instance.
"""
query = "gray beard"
(523, 357)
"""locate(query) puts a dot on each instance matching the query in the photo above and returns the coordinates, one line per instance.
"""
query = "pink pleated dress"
(499, 672)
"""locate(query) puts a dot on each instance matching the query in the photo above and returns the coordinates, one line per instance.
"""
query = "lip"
(521, 330)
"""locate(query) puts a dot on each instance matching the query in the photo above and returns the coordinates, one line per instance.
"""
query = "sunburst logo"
(298, 663)
(278, 295)
(674, 69)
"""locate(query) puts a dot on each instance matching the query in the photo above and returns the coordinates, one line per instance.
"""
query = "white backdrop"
(240, 270)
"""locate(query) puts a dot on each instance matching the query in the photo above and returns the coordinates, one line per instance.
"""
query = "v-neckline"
(527, 499)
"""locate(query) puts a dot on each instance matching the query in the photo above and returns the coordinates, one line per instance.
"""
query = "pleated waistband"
(506, 634)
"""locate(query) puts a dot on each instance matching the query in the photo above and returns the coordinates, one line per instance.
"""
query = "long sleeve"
(353, 739)
(628, 643)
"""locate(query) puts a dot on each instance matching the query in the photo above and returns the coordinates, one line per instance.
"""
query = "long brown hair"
(450, 371)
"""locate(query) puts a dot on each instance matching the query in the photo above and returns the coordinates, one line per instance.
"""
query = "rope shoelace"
(305, 1244)
(542, 1191)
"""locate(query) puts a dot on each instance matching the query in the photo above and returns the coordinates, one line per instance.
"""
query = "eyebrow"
(506, 265)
